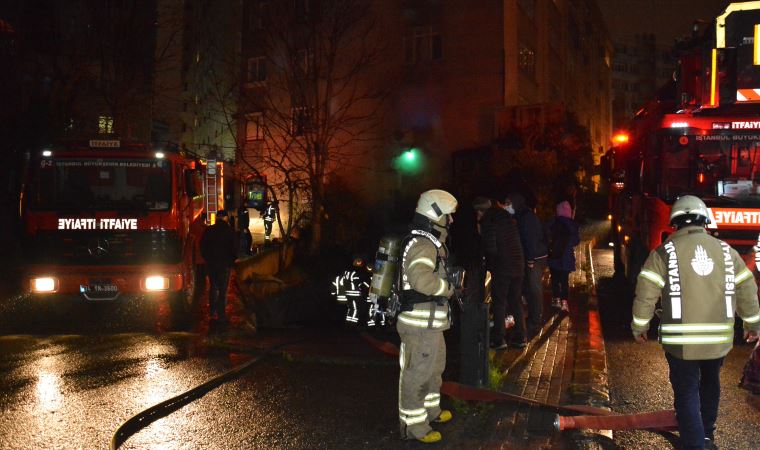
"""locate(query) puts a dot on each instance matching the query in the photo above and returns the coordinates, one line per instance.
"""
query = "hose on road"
(144, 418)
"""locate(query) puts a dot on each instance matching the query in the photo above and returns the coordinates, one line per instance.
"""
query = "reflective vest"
(697, 278)
(424, 310)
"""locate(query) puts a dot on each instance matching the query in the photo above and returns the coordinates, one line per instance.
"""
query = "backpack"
(558, 239)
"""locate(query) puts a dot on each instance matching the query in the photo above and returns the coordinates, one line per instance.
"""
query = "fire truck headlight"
(47, 153)
(43, 285)
(156, 283)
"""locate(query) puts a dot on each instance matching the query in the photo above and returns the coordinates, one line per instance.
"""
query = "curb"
(590, 385)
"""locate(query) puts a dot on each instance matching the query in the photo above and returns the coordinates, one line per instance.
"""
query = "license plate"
(99, 291)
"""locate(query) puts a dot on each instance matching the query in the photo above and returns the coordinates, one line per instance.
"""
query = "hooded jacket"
(501, 243)
(563, 229)
(532, 236)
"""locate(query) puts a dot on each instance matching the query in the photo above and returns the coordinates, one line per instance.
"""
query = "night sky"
(667, 19)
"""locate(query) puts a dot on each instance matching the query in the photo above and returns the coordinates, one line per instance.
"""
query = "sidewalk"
(564, 364)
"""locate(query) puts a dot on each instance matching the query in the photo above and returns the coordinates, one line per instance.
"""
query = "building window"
(302, 8)
(257, 16)
(257, 69)
(254, 127)
(424, 44)
(527, 60)
(528, 7)
(305, 60)
(105, 124)
(300, 121)
(436, 47)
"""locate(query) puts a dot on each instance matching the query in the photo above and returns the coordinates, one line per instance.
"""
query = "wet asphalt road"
(70, 375)
(638, 374)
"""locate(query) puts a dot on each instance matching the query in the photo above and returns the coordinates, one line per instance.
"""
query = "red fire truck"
(106, 220)
(702, 139)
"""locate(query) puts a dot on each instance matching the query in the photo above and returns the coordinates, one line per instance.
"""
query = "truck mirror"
(190, 183)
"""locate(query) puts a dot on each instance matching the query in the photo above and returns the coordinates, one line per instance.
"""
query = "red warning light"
(683, 140)
(620, 138)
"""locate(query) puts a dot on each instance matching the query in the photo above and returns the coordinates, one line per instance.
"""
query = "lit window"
(527, 60)
(257, 69)
(105, 124)
(254, 127)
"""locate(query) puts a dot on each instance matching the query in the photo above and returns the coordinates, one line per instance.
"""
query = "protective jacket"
(701, 281)
(270, 212)
(352, 288)
(423, 276)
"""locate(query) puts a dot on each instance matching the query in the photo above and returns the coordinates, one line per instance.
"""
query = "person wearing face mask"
(425, 315)
(505, 261)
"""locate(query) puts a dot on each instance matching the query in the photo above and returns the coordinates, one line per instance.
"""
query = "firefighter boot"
(430, 438)
(443, 417)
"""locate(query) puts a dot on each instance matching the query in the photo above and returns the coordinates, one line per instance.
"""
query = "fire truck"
(110, 221)
(700, 136)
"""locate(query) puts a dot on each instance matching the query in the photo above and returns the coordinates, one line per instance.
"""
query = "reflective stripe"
(653, 277)
(704, 339)
(412, 416)
(744, 275)
(425, 313)
(420, 323)
(432, 400)
(753, 319)
(675, 307)
(441, 289)
(695, 327)
(640, 322)
(426, 261)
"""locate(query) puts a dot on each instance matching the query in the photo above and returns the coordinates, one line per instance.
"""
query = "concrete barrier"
(260, 287)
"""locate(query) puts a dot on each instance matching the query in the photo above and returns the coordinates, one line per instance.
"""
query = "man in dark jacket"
(504, 259)
(219, 249)
(535, 250)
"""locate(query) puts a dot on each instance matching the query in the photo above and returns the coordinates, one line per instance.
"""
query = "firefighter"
(269, 214)
(352, 289)
(701, 281)
(425, 293)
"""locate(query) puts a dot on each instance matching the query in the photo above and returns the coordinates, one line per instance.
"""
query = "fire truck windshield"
(720, 165)
(100, 184)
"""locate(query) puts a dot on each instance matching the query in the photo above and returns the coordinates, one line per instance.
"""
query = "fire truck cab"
(109, 221)
(702, 139)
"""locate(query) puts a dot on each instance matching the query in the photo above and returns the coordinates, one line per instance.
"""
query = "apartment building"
(451, 72)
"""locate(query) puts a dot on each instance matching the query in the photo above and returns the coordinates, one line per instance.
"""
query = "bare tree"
(318, 99)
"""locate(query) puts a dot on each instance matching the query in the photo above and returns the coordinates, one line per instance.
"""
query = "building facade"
(450, 70)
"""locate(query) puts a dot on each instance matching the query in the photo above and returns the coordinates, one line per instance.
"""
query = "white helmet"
(436, 203)
(689, 205)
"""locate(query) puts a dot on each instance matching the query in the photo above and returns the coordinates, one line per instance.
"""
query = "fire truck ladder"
(212, 196)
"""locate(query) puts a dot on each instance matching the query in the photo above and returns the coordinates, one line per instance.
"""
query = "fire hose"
(591, 418)
(144, 418)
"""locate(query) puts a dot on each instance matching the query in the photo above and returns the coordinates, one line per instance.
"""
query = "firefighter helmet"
(689, 205)
(435, 204)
